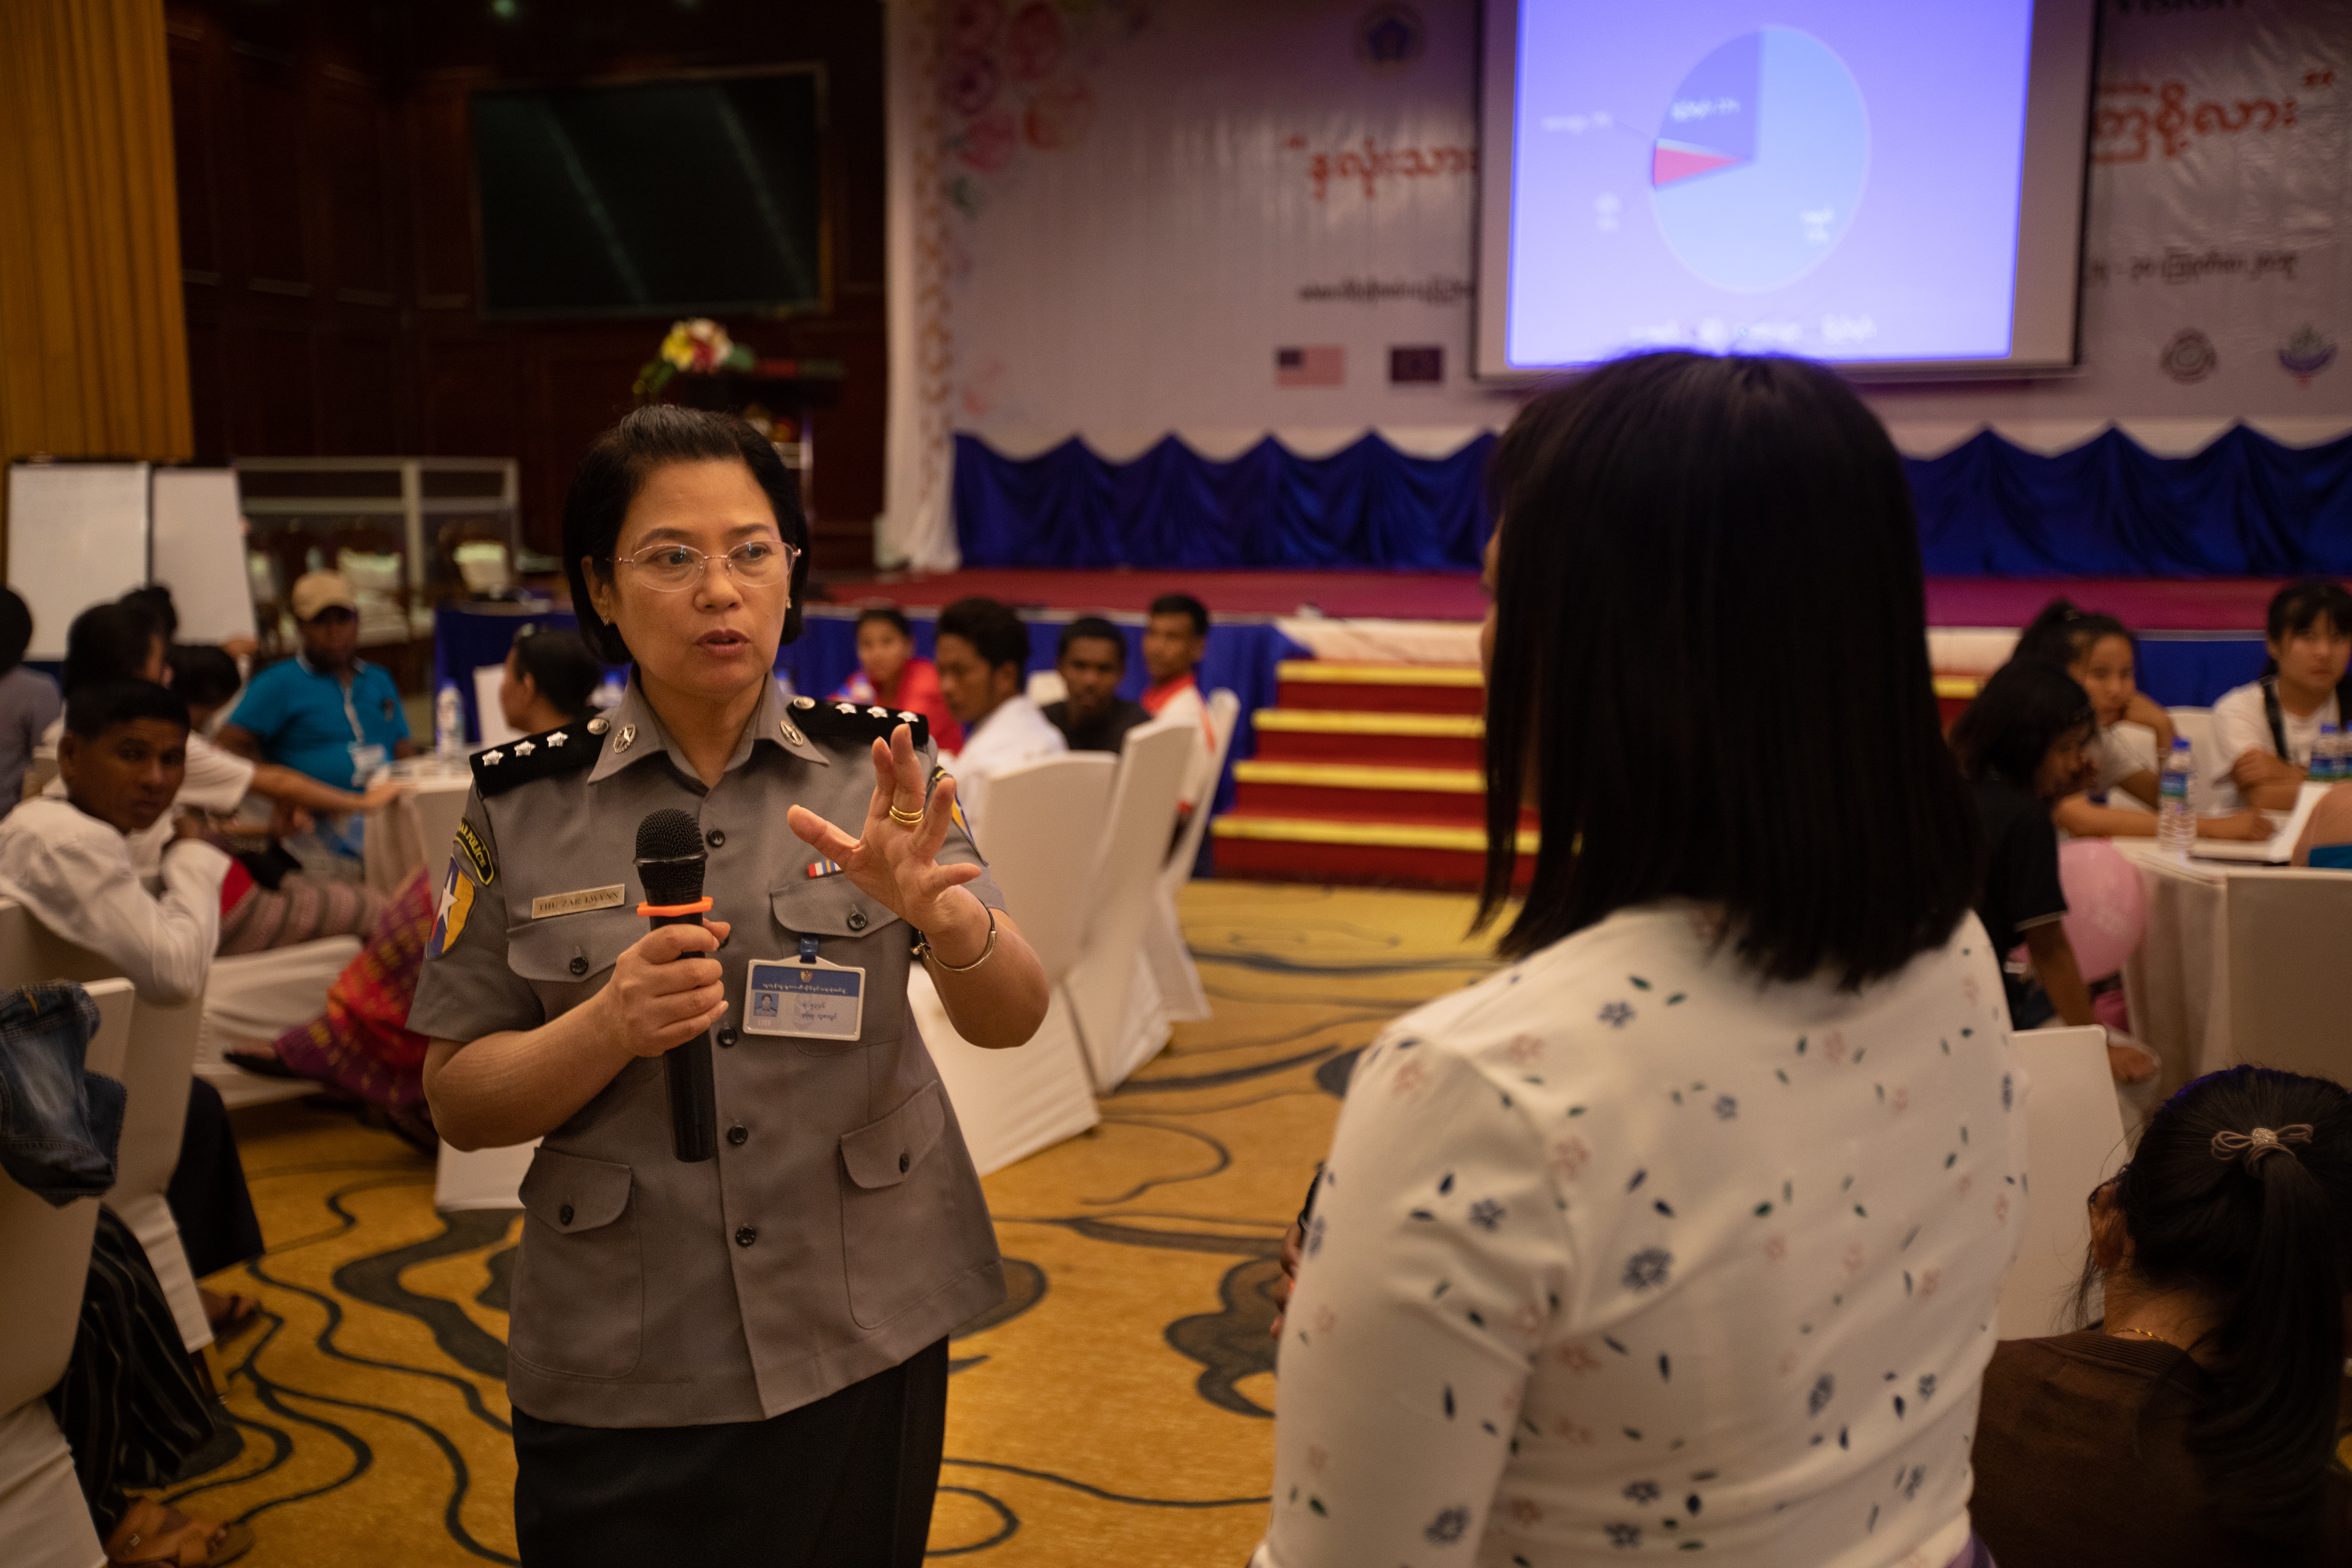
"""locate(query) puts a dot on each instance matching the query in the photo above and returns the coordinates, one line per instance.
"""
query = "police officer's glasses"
(674, 568)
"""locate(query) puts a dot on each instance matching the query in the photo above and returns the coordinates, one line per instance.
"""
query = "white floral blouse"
(1621, 1252)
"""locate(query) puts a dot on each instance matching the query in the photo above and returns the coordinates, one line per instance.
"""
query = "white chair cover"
(1172, 970)
(2073, 1140)
(2289, 989)
(1045, 825)
(1120, 1018)
(44, 1264)
(156, 1073)
(257, 996)
(496, 731)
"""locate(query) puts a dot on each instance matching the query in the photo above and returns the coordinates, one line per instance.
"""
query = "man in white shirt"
(983, 654)
(122, 759)
(1174, 639)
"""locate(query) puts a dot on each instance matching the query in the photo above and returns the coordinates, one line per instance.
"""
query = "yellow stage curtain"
(93, 344)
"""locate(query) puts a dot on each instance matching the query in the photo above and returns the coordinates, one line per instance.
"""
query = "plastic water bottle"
(2176, 825)
(2327, 758)
(449, 724)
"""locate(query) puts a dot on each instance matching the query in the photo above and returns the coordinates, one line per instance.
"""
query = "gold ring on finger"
(905, 818)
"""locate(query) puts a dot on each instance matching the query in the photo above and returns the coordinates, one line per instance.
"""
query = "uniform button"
(903, 1162)
(857, 919)
(563, 1215)
(745, 1236)
(715, 839)
(726, 1036)
(579, 964)
(738, 1133)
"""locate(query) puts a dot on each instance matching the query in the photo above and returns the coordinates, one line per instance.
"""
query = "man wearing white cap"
(326, 712)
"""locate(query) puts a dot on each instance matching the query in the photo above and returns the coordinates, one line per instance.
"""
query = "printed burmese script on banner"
(2216, 276)
(1224, 214)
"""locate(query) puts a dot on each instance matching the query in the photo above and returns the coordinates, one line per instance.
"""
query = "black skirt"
(846, 1482)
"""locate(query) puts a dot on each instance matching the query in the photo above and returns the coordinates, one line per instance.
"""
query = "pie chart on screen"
(1760, 160)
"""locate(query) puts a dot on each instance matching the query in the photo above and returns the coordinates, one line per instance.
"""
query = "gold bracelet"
(924, 947)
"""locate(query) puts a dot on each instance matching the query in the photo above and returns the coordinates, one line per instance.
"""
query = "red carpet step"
(1366, 774)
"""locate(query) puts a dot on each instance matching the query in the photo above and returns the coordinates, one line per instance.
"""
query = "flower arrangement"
(700, 346)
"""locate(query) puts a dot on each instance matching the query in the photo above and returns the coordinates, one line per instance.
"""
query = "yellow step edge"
(1364, 834)
(1361, 775)
(1337, 722)
(1958, 687)
(1332, 672)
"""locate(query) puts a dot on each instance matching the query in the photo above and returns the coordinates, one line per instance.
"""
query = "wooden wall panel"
(326, 178)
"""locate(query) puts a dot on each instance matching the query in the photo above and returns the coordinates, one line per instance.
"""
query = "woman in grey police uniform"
(742, 1359)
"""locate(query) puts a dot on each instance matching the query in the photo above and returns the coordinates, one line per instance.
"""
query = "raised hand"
(895, 859)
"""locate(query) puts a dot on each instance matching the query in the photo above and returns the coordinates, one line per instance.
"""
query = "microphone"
(671, 861)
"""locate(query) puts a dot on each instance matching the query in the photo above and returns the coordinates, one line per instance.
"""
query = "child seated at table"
(2101, 655)
(889, 674)
(2195, 1422)
(2022, 745)
(2263, 732)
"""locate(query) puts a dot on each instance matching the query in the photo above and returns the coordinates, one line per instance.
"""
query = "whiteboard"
(77, 535)
(200, 553)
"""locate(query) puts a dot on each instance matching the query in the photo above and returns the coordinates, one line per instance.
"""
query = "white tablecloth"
(417, 830)
(2177, 984)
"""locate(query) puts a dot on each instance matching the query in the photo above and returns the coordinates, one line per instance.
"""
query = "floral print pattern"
(1622, 1232)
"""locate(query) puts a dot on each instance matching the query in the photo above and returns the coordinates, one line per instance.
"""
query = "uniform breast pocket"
(912, 1218)
(579, 1286)
(853, 930)
(567, 958)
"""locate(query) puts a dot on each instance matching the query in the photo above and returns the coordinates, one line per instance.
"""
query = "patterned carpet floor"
(1116, 1409)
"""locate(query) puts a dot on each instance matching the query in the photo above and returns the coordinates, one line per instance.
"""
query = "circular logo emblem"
(2189, 356)
(1390, 37)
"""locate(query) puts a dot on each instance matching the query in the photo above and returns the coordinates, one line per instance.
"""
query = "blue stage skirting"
(1243, 656)
(2244, 507)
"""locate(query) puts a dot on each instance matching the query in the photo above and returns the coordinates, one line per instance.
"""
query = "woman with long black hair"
(2264, 730)
(1684, 1231)
(2195, 1423)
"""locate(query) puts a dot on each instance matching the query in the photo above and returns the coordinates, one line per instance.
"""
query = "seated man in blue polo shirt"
(326, 712)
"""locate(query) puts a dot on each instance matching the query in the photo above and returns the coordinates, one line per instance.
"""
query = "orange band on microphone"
(664, 911)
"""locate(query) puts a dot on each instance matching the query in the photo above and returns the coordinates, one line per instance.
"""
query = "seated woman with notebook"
(2263, 732)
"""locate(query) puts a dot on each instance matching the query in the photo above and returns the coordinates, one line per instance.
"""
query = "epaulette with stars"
(551, 752)
(847, 723)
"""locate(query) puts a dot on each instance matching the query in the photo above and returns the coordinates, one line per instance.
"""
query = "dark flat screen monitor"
(676, 196)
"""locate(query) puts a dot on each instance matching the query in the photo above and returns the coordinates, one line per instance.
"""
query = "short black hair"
(561, 666)
(995, 633)
(890, 614)
(108, 643)
(154, 601)
(2296, 608)
(204, 676)
(98, 706)
(1183, 605)
(2268, 1240)
(1091, 626)
(2019, 712)
(16, 629)
(2063, 634)
(1710, 668)
(614, 471)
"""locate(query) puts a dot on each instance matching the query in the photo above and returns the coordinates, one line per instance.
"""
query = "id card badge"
(805, 998)
(366, 759)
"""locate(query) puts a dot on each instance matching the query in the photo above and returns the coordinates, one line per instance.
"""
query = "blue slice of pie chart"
(1760, 160)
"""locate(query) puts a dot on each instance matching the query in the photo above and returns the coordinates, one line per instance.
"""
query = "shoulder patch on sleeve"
(847, 723)
(561, 750)
(470, 849)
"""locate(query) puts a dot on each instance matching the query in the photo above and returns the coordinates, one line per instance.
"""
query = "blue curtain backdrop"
(2243, 507)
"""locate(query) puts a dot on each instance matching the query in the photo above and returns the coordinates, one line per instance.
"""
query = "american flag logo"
(1323, 365)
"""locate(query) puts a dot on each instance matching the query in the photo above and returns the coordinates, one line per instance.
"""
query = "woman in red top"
(889, 674)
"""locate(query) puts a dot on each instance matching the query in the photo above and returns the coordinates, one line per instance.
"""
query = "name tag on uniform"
(811, 1001)
(609, 898)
